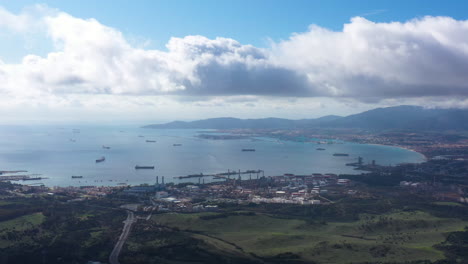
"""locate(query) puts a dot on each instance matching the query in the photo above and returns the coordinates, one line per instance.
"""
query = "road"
(330, 201)
(114, 256)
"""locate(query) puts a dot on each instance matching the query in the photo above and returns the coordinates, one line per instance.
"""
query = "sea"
(56, 153)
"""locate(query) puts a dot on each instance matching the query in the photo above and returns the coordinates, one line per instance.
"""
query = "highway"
(114, 256)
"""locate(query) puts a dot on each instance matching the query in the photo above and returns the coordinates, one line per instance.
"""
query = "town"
(442, 179)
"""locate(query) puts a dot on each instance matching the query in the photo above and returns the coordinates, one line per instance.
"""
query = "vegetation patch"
(397, 236)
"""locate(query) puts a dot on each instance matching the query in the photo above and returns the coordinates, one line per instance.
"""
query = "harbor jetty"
(222, 175)
(14, 171)
(30, 177)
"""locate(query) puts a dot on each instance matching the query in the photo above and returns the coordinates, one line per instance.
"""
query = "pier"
(222, 175)
(15, 171)
(30, 177)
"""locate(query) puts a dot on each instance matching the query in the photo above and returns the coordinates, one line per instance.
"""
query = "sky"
(156, 61)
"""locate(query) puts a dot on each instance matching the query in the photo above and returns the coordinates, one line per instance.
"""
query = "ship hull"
(144, 167)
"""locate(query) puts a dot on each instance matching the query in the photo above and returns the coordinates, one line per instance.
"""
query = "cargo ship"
(144, 167)
(176, 145)
(150, 141)
(101, 159)
(191, 176)
(77, 177)
(341, 155)
(320, 149)
(105, 147)
(248, 149)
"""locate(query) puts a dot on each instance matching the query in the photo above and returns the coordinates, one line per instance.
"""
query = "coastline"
(398, 146)
(426, 158)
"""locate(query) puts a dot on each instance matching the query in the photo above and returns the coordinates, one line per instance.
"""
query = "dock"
(14, 171)
(30, 177)
(222, 175)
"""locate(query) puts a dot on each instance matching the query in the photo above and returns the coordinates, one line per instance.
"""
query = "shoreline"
(426, 158)
(401, 147)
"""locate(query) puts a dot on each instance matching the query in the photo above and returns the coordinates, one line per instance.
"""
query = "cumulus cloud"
(91, 58)
(367, 61)
(21, 22)
(421, 57)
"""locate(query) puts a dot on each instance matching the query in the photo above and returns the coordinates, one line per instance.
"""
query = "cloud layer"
(365, 61)
(421, 57)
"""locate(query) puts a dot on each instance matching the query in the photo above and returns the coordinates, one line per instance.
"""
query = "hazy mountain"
(232, 123)
(398, 117)
(406, 117)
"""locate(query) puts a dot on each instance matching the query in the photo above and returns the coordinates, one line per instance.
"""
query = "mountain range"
(397, 117)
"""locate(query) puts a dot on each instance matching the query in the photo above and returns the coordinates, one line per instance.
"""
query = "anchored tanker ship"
(248, 149)
(144, 167)
(341, 155)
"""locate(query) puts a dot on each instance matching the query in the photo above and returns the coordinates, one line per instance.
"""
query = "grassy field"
(448, 204)
(5, 202)
(21, 223)
(150, 244)
(396, 236)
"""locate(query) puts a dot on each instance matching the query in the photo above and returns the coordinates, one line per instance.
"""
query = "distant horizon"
(126, 122)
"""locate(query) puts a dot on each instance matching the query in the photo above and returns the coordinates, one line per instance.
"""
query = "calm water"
(59, 152)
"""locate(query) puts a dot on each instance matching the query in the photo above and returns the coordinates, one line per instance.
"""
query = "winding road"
(114, 256)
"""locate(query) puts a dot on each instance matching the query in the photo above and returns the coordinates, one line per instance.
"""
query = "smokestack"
(157, 180)
(162, 180)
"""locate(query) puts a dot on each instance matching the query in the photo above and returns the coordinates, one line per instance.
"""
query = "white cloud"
(16, 23)
(29, 20)
(365, 61)
(421, 57)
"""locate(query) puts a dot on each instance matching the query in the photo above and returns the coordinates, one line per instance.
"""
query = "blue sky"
(248, 21)
(163, 58)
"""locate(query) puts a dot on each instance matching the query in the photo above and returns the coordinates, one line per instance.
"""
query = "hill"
(405, 117)
(398, 117)
(233, 123)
